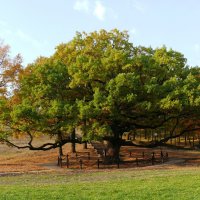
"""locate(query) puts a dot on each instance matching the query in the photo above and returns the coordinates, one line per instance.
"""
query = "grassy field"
(116, 184)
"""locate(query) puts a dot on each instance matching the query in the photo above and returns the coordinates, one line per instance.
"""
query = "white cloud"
(93, 7)
(82, 5)
(99, 10)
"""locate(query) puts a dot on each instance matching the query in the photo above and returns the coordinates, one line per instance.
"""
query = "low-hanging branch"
(43, 147)
(164, 140)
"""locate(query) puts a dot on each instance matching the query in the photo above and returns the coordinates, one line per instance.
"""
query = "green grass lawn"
(117, 184)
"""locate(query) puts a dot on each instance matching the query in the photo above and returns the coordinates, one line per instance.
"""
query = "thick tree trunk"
(116, 151)
(115, 142)
(73, 144)
(60, 145)
(60, 151)
(113, 148)
(73, 147)
(85, 145)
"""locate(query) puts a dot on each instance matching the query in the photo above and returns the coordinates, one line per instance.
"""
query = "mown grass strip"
(155, 184)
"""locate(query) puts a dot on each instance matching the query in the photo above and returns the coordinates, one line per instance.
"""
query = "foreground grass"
(118, 184)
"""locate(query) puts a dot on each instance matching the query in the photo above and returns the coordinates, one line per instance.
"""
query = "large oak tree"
(103, 84)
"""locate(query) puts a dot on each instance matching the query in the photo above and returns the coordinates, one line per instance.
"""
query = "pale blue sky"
(36, 27)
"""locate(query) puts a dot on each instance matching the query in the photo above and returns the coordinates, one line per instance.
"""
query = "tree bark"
(60, 145)
(73, 144)
(85, 145)
(114, 148)
(60, 151)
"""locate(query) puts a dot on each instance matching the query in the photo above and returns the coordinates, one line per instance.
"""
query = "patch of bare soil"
(13, 160)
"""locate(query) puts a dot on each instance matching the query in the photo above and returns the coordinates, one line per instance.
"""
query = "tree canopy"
(106, 86)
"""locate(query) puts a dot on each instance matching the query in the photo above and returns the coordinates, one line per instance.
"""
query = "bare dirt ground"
(14, 160)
